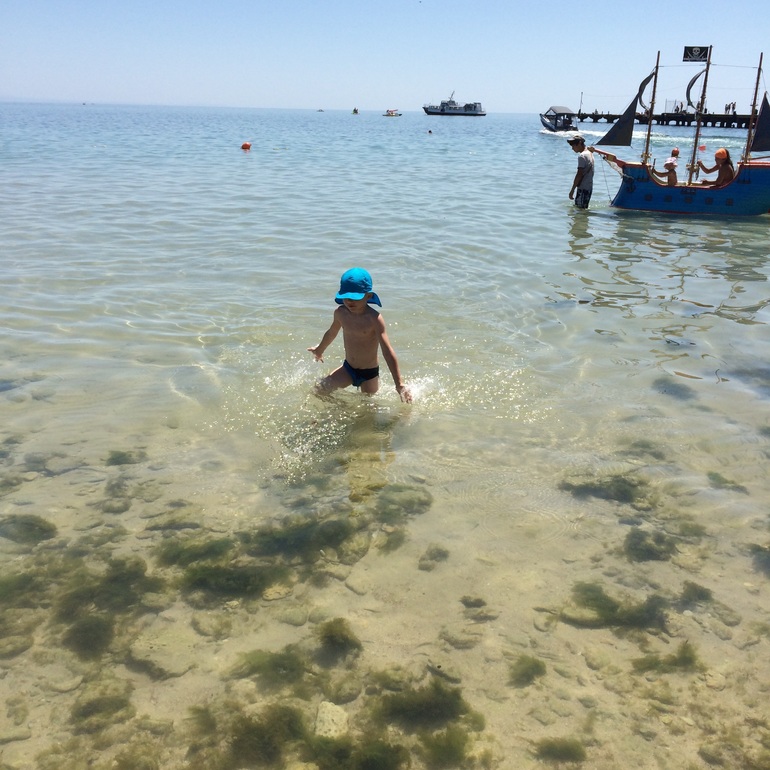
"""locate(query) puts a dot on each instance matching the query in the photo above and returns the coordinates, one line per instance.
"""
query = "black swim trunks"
(582, 198)
(360, 375)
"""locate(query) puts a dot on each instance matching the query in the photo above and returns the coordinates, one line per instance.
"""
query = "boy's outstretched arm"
(326, 340)
(392, 361)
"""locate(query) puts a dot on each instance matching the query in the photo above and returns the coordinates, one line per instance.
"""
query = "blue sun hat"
(356, 283)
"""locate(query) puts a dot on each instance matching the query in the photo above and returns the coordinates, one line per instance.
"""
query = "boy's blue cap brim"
(373, 300)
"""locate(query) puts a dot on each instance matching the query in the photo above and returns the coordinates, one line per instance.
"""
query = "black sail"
(689, 90)
(761, 140)
(622, 132)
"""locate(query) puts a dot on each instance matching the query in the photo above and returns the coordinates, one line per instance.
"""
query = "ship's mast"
(646, 153)
(753, 117)
(698, 120)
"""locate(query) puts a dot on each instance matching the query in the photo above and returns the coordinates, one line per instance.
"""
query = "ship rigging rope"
(606, 183)
(615, 167)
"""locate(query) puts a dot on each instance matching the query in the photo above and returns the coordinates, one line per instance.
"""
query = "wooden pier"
(712, 119)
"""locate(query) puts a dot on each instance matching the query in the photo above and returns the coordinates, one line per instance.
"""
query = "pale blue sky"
(336, 54)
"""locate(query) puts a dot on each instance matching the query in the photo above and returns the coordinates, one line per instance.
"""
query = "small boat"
(355, 110)
(558, 118)
(451, 107)
(746, 194)
(391, 114)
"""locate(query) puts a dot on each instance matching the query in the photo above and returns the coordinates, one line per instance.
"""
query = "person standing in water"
(583, 183)
(363, 334)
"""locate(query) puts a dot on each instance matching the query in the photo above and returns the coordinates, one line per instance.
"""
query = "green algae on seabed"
(273, 669)
(394, 679)
(726, 749)
(761, 557)
(244, 580)
(396, 502)
(436, 718)
(231, 738)
(560, 750)
(692, 594)
(16, 624)
(12, 645)
(683, 659)
(337, 638)
(262, 740)
(691, 529)
(642, 448)
(343, 754)
(617, 487)
(446, 748)
(102, 703)
(525, 670)
(202, 720)
(394, 539)
(278, 733)
(140, 757)
(432, 556)
(718, 481)
(119, 589)
(26, 528)
(126, 457)
(641, 545)
(430, 707)
(378, 754)
(24, 589)
(9, 482)
(303, 539)
(675, 389)
(184, 552)
(107, 534)
(606, 612)
(472, 602)
(90, 637)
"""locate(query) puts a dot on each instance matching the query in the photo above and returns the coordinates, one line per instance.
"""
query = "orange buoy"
(246, 146)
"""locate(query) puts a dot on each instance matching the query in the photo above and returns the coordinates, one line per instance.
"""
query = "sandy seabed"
(438, 595)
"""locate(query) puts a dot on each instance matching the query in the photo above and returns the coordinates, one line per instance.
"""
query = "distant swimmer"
(363, 332)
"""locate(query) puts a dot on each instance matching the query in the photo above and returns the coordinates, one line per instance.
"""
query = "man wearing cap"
(363, 333)
(583, 183)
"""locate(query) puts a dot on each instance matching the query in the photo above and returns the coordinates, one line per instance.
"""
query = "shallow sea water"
(583, 381)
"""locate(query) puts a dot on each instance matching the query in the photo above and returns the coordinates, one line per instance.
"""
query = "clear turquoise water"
(161, 286)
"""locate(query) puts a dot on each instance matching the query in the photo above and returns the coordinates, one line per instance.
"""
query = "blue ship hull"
(747, 195)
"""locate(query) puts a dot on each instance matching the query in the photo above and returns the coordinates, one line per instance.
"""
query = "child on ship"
(363, 332)
(724, 167)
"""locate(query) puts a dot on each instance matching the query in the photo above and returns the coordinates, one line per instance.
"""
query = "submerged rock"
(12, 734)
(101, 704)
(26, 528)
(331, 721)
(399, 500)
(166, 649)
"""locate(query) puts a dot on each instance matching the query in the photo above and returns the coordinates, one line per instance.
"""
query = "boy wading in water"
(363, 331)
